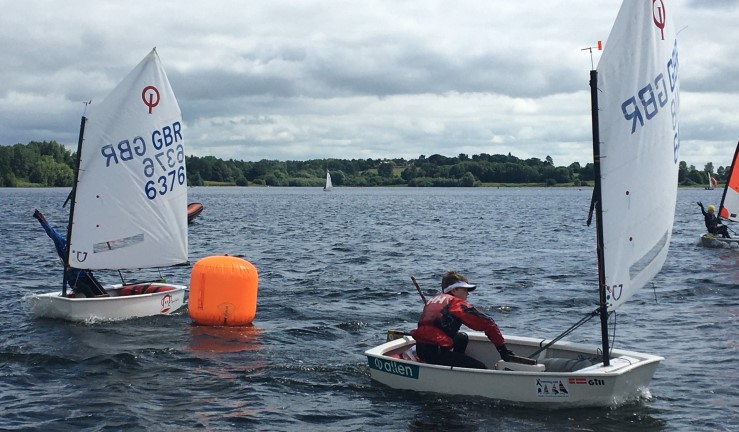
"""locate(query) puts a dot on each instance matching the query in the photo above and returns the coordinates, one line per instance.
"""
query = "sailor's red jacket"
(442, 317)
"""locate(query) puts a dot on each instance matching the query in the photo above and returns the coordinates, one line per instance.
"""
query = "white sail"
(131, 195)
(328, 181)
(635, 138)
(638, 117)
(730, 201)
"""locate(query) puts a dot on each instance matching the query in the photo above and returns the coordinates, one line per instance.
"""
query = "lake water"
(334, 275)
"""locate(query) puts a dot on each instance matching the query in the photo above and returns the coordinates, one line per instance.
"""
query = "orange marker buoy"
(223, 291)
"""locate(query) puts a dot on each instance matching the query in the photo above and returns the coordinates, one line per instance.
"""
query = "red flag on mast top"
(599, 47)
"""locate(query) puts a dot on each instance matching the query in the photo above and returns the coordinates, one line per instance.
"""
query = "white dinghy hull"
(114, 308)
(711, 241)
(635, 162)
(626, 378)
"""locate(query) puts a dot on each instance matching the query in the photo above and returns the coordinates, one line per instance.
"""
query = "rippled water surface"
(334, 275)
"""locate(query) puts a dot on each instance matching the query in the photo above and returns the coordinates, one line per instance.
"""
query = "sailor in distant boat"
(713, 223)
(438, 339)
(81, 281)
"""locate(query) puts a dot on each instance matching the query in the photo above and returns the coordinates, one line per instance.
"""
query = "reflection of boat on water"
(193, 210)
(122, 217)
(636, 170)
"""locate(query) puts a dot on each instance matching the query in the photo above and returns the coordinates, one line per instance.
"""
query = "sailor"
(81, 281)
(713, 223)
(438, 339)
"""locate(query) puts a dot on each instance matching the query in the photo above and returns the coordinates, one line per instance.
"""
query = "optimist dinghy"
(635, 110)
(127, 200)
(729, 208)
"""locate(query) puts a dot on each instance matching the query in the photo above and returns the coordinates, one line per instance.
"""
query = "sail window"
(117, 244)
(644, 262)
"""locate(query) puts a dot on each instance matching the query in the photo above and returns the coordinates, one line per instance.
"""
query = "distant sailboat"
(328, 186)
(728, 209)
(712, 182)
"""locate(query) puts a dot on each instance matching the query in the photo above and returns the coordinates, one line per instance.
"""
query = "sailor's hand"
(37, 214)
(700, 204)
(505, 353)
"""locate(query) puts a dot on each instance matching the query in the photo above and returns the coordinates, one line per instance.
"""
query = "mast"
(73, 196)
(597, 198)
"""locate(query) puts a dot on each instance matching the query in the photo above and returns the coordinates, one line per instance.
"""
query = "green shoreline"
(483, 185)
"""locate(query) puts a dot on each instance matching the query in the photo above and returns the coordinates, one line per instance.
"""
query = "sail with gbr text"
(638, 107)
(131, 192)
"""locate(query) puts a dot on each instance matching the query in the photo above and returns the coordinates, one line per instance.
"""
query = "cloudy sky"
(308, 79)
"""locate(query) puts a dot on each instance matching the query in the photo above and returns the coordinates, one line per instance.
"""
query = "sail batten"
(131, 193)
(638, 106)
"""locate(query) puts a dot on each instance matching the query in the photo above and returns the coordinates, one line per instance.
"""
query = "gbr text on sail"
(653, 98)
(162, 158)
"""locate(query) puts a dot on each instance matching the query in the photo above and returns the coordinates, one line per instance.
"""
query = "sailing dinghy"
(127, 199)
(717, 242)
(634, 109)
(328, 186)
(712, 182)
(728, 209)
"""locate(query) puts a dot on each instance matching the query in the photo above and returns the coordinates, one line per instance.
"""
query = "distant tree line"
(48, 163)
(41, 163)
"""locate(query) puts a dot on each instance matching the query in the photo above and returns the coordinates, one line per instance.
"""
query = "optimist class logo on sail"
(150, 96)
(162, 157)
(659, 16)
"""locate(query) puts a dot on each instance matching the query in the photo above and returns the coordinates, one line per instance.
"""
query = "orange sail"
(729, 207)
